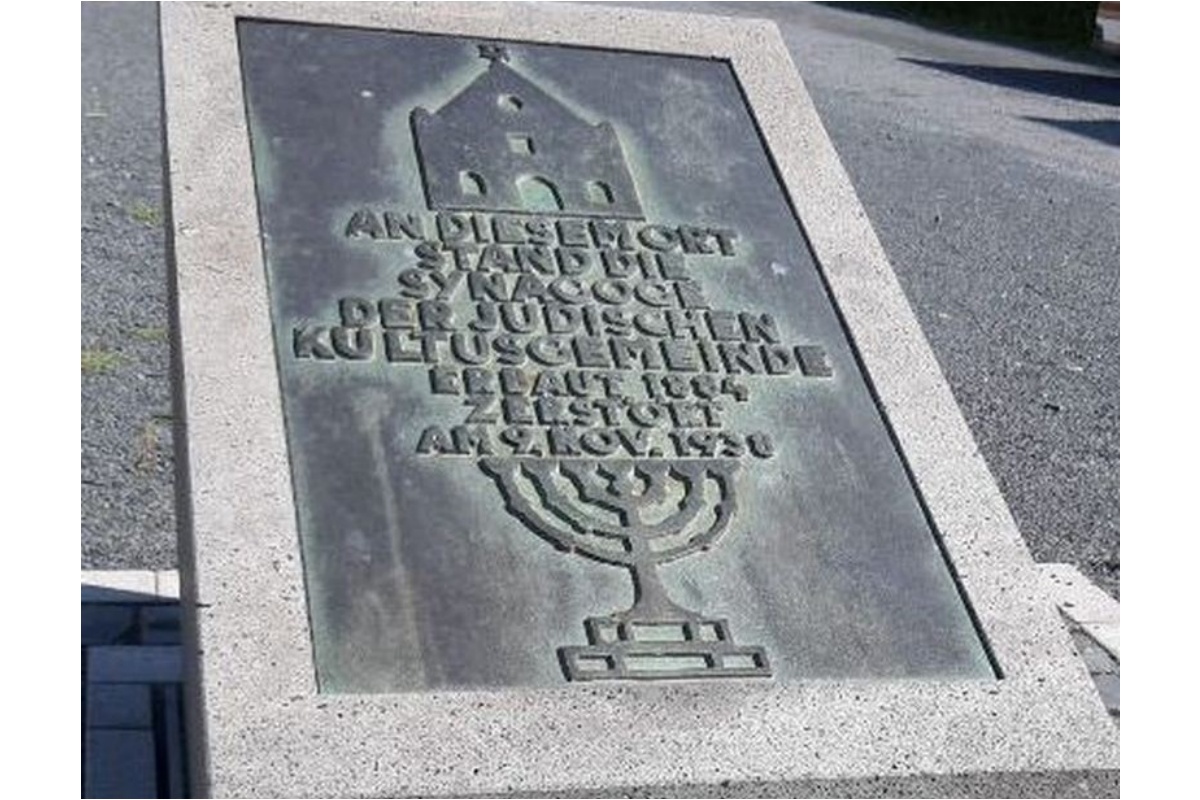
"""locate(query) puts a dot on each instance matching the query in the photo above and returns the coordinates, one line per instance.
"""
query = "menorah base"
(661, 649)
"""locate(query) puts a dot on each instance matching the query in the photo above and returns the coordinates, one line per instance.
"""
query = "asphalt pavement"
(991, 175)
(126, 462)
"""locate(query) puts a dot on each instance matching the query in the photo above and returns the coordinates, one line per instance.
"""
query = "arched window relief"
(471, 184)
(520, 144)
(600, 193)
(510, 102)
(539, 194)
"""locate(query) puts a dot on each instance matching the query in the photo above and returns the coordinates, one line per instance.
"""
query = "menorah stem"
(650, 595)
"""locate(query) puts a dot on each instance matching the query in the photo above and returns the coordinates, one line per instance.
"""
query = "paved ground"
(991, 174)
(991, 177)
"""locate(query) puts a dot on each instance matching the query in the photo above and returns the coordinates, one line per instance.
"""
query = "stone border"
(1086, 604)
(259, 725)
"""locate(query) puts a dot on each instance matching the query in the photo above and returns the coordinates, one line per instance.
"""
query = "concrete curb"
(129, 586)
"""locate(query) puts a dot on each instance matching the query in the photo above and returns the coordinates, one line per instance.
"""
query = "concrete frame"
(257, 723)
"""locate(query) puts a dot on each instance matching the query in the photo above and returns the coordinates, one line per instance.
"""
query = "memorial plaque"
(566, 397)
(552, 422)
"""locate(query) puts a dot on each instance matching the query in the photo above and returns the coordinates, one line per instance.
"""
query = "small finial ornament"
(493, 52)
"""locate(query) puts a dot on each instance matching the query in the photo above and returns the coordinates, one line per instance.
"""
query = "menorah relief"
(635, 514)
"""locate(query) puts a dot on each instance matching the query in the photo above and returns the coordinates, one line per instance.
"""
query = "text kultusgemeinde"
(539, 322)
(532, 291)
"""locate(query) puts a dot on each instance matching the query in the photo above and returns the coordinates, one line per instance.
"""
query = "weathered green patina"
(545, 321)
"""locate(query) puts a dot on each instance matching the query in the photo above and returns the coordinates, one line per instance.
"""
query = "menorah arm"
(533, 495)
(592, 489)
(624, 475)
(552, 515)
(695, 474)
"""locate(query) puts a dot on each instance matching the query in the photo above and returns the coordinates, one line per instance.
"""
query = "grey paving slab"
(1086, 604)
(1082, 600)
(1107, 634)
(1098, 661)
(1109, 687)
(1104, 669)
(167, 584)
(118, 586)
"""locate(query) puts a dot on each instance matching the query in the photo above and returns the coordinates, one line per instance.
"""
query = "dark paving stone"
(119, 705)
(160, 624)
(109, 624)
(120, 763)
(126, 664)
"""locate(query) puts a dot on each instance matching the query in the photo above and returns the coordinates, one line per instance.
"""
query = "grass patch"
(147, 215)
(96, 362)
(150, 334)
(145, 449)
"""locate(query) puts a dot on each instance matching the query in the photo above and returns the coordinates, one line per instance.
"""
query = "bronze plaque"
(566, 396)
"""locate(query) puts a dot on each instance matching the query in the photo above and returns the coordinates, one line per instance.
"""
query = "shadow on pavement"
(1085, 86)
(1105, 131)
(1062, 30)
(133, 742)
